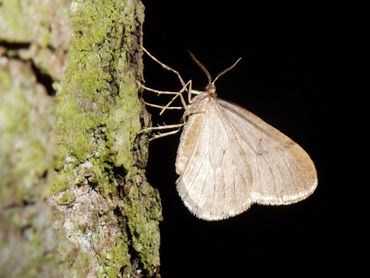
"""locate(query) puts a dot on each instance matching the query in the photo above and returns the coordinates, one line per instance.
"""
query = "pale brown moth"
(228, 158)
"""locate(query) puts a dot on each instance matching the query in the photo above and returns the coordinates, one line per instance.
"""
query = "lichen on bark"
(102, 214)
(98, 118)
(26, 153)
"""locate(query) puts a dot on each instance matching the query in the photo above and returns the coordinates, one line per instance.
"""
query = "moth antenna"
(203, 68)
(226, 70)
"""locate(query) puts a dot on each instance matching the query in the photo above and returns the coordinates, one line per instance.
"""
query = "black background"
(301, 71)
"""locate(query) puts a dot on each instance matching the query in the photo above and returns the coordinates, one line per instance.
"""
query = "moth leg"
(191, 93)
(162, 127)
(176, 94)
(162, 107)
(179, 94)
(159, 92)
(160, 135)
(164, 66)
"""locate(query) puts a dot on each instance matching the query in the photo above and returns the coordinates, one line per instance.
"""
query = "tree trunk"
(74, 199)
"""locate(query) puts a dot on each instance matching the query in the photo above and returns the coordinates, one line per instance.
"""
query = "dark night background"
(301, 72)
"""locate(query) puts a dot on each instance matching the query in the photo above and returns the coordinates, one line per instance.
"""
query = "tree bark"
(74, 199)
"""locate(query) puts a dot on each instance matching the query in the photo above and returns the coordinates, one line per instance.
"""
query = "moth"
(229, 159)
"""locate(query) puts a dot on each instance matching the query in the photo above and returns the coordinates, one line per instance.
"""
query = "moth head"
(211, 87)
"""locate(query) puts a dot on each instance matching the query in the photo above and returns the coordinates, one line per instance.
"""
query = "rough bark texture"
(73, 195)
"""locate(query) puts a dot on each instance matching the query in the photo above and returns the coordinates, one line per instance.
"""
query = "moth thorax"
(211, 89)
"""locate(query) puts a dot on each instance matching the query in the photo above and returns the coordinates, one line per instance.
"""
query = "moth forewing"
(282, 171)
(194, 117)
(215, 180)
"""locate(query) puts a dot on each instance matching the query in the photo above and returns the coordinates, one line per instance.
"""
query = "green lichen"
(62, 182)
(97, 92)
(26, 143)
(81, 107)
(26, 156)
(42, 25)
(66, 199)
(97, 112)
(115, 259)
(141, 212)
(16, 17)
(98, 118)
(117, 131)
(81, 264)
(76, 262)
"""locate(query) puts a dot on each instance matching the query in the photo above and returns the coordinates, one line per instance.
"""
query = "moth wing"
(215, 177)
(282, 171)
(188, 141)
